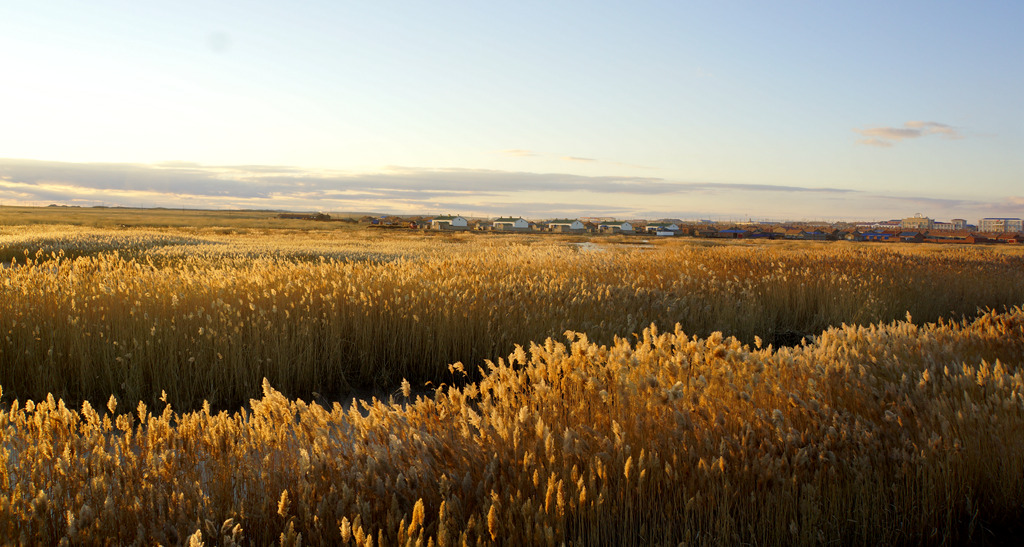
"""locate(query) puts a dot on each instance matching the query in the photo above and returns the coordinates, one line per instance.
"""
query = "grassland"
(887, 435)
(541, 392)
(187, 219)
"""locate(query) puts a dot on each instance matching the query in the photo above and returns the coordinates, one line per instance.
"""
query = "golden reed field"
(196, 386)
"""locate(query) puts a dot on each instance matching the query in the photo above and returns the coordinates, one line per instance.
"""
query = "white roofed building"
(566, 225)
(511, 224)
(1000, 225)
(448, 222)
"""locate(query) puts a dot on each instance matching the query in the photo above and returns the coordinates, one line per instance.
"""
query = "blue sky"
(727, 109)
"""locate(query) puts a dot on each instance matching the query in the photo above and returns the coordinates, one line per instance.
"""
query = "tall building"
(1001, 225)
(917, 222)
(955, 224)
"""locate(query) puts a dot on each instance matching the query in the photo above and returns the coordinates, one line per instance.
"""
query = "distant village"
(915, 229)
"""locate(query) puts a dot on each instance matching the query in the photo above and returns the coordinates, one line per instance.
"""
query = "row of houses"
(707, 230)
(939, 235)
(569, 226)
(450, 222)
(902, 236)
(924, 224)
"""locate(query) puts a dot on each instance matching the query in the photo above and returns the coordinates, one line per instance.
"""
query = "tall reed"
(207, 318)
(897, 433)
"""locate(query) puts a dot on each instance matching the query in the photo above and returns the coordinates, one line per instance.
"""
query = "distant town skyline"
(785, 110)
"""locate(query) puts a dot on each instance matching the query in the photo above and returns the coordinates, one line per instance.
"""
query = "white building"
(447, 222)
(615, 227)
(917, 222)
(878, 225)
(566, 225)
(1001, 225)
(656, 227)
(511, 224)
(955, 224)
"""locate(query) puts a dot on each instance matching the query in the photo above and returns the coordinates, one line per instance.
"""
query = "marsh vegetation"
(167, 385)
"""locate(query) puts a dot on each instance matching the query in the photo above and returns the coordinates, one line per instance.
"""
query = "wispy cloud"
(884, 136)
(414, 190)
(632, 165)
(935, 128)
(522, 153)
(396, 188)
(891, 133)
(949, 207)
(517, 153)
(875, 142)
(929, 203)
(700, 72)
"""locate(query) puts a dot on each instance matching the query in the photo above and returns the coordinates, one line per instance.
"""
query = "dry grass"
(98, 217)
(882, 435)
(208, 317)
(891, 432)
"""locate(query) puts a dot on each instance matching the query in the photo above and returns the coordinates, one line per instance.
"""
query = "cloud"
(875, 142)
(927, 202)
(882, 136)
(394, 188)
(538, 209)
(517, 153)
(481, 192)
(947, 207)
(700, 72)
(521, 153)
(632, 165)
(892, 133)
(934, 128)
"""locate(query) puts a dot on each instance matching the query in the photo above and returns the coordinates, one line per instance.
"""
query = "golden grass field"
(529, 391)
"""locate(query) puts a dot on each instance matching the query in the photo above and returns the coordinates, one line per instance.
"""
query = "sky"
(798, 110)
